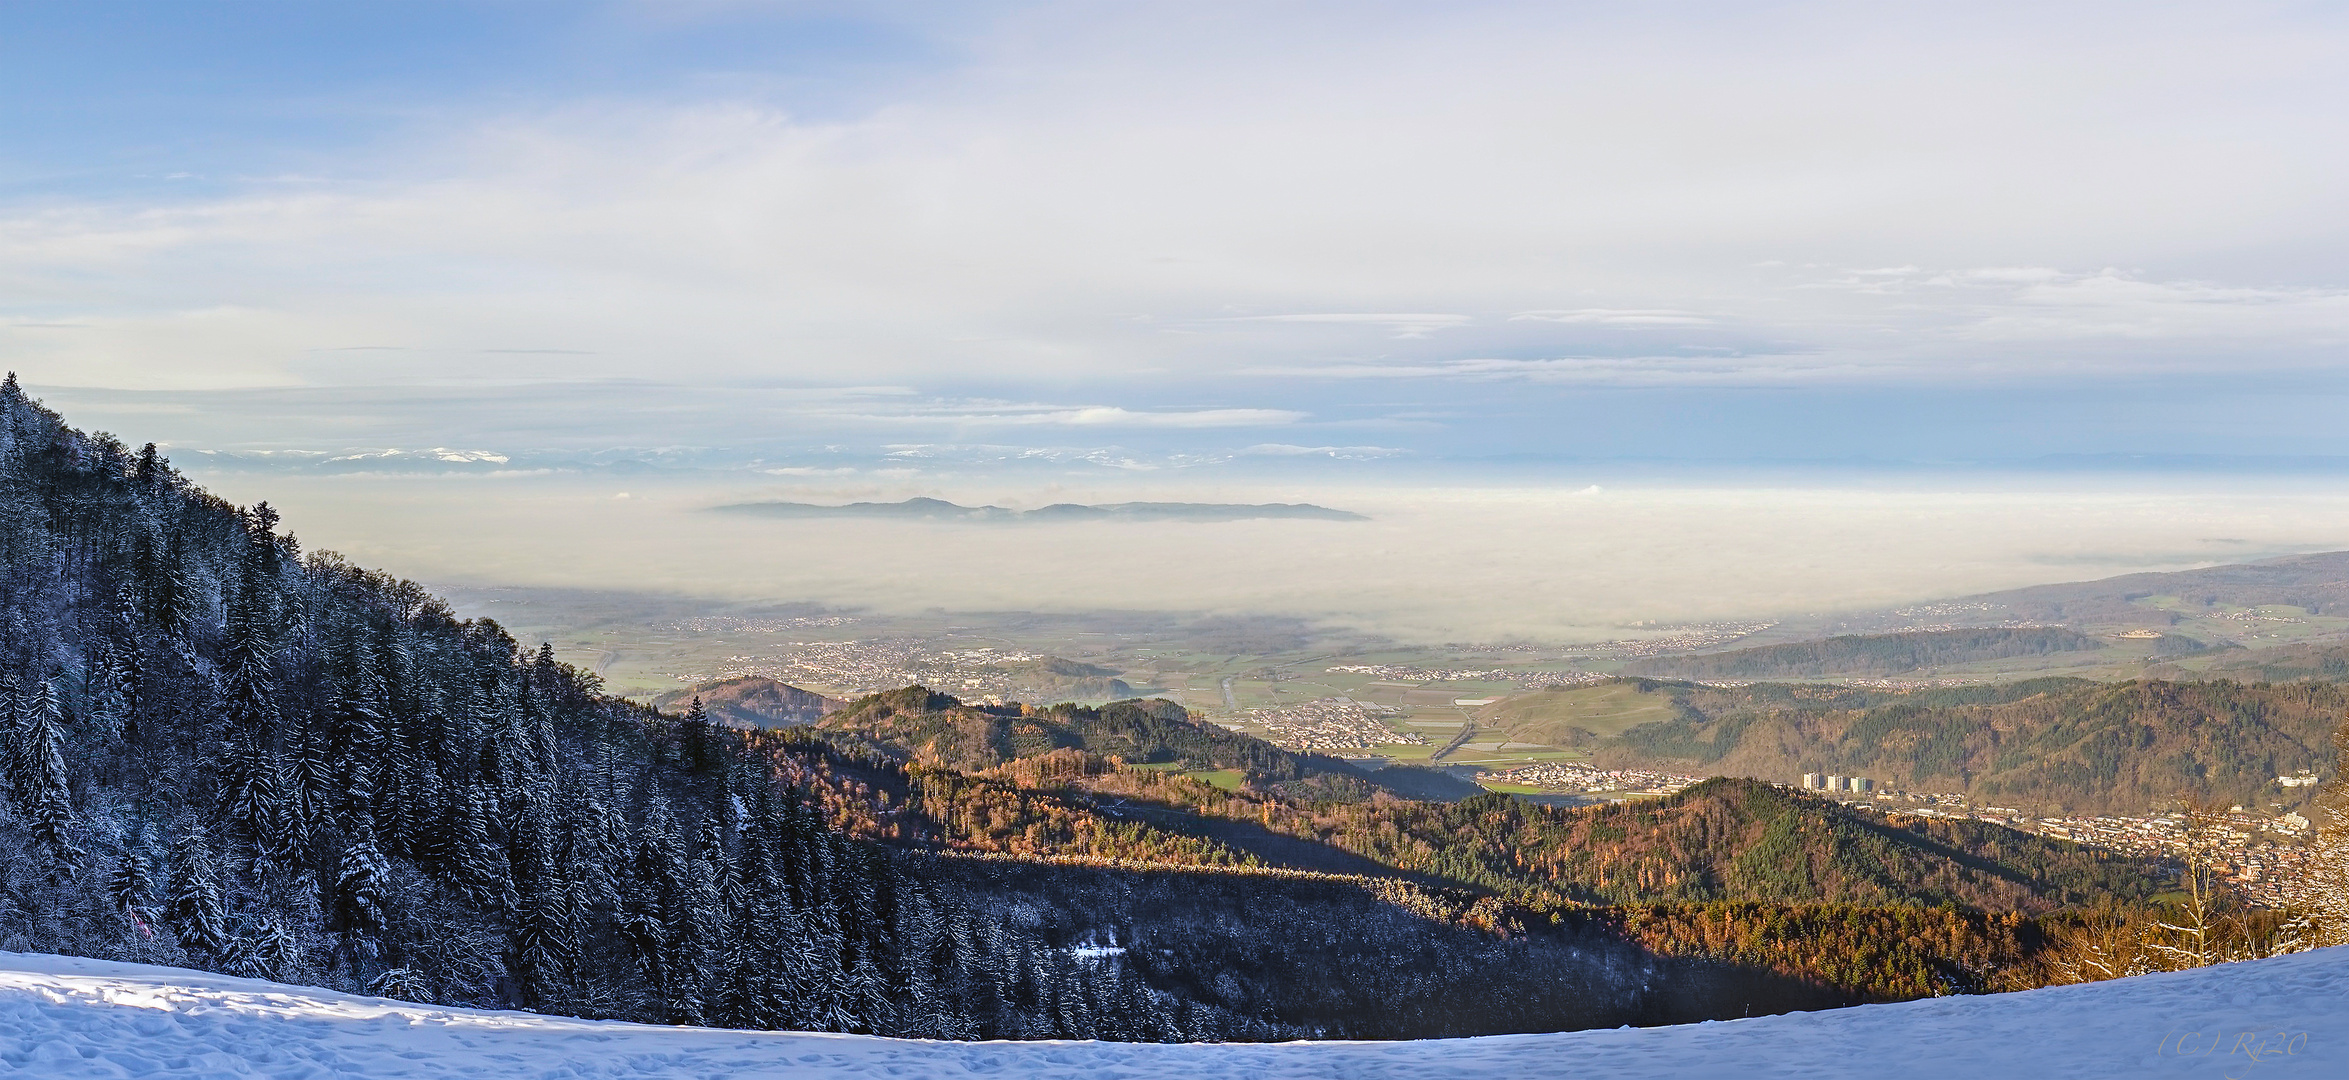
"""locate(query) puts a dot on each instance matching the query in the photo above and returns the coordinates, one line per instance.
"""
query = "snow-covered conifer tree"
(194, 909)
(37, 767)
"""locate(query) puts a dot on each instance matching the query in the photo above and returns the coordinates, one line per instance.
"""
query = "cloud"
(1617, 317)
(1401, 325)
(1677, 370)
(2115, 305)
(1342, 453)
(1093, 416)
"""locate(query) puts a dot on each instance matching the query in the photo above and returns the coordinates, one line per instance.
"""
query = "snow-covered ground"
(66, 1017)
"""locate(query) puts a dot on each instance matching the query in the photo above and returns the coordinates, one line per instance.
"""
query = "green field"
(1550, 716)
(1227, 779)
(1517, 789)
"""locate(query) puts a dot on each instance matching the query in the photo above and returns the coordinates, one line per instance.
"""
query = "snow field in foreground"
(68, 1017)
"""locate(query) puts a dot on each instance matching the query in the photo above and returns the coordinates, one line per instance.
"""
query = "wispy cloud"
(1591, 370)
(1399, 324)
(1089, 416)
(1616, 317)
(1341, 453)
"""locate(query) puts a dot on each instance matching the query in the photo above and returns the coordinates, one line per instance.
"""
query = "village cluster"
(1332, 723)
(854, 668)
(1570, 776)
(1528, 680)
(2255, 854)
(2258, 855)
(730, 624)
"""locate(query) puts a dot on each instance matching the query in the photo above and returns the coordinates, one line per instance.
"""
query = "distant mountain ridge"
(2317, 583)
(924, 509)
(1871, 654)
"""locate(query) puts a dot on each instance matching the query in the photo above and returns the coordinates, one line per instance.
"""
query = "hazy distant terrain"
(2316, 584)
(924, 509)
(1882, 654)
(1560, 560)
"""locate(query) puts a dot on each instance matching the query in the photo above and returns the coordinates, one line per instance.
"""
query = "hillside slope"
(2316, 583)
(1719, 841)
(67, 1017)
(1732, 839)
(2065, 745)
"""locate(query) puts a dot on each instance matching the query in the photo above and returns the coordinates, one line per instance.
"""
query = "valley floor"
(64, 1017)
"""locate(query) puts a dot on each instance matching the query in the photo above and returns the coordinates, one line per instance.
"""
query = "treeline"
(1876, 953)
(1870, 654)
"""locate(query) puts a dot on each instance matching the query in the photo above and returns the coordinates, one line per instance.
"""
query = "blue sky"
(1457, 235)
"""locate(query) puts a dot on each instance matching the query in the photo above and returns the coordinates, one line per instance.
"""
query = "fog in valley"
(1558, 562)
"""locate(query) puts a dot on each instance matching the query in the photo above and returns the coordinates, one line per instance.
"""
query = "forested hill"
(934, 729)
(2049, 744)
(1739, 839)
(1726, 839)
(751, 701)
(1870, 654)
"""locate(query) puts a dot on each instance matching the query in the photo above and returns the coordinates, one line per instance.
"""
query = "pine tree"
(357, 908)
(482, 872)
(113, 667)
(694, 737)
(159, 575)
(309, 784)
(403, 769)
(131, 888)
(692, 898)
(195, 911)
(643, 920)
(760, 988)
(268, 949)
(39, 779)
(255, 802)
(546, 918)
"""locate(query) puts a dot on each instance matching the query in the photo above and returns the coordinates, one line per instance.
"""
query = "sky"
(987, 249)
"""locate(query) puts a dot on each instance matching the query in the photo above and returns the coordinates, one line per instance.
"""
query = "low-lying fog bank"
(1435, 563)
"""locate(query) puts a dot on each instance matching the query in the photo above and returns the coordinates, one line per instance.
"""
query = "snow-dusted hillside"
(66, 1017)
